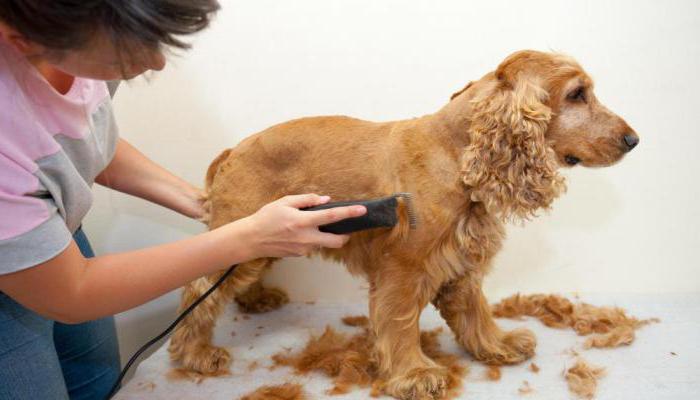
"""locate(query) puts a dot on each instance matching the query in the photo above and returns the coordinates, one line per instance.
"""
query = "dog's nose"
(631, 141)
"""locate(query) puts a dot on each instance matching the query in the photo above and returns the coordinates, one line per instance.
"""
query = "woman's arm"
(72, 289)
(132, 172)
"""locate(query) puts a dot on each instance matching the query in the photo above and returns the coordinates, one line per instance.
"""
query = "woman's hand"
(280, 229)
(194, 203)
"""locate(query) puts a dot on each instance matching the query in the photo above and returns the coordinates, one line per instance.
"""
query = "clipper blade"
(410, 208)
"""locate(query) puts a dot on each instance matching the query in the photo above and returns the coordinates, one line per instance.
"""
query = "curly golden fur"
(489, 156)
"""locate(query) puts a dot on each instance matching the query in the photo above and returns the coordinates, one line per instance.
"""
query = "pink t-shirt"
(52, 146)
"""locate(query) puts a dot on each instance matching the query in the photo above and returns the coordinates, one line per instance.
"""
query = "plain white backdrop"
(631, 228)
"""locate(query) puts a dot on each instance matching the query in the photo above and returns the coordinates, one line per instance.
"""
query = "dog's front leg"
(465, 309)
(397, 297)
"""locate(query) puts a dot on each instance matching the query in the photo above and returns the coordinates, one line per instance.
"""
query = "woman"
(57, 137)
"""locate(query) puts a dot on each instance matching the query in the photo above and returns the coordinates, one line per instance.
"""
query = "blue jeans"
(45, 359)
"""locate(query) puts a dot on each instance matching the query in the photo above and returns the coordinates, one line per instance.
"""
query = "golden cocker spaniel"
(488, 156)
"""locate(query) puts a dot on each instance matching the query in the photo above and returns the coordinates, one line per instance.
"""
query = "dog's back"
(337, 156)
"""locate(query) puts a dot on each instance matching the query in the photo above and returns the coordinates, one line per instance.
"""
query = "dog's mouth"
(571, 160)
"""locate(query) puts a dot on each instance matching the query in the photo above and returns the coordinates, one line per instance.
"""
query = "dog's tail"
(211, 172)
(214, 168)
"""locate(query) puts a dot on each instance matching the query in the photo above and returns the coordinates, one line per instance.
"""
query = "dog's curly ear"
(507, 165)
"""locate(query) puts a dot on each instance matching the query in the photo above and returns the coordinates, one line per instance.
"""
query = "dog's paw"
(429, 383)
(207, 360)
(261, 299)
(520, 343)
(513, 347)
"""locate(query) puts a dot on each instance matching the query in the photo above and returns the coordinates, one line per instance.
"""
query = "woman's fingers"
(322, 240)
(322, 217)
(331, 240)
(330, 215)
(304, 200)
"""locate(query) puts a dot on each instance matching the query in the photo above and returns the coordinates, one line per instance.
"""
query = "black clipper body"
(381, 213)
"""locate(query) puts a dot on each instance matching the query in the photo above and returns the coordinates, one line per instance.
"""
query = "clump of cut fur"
(357, 320)
(619, 336)
(347, 359)
(253, 365)
(286, 391)
(582, 378)
(184, 374)
(493, 373)
(149, 386)
(612, 326)
(525, 388)
(351, 362)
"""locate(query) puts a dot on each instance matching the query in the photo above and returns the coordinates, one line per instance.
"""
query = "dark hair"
(131, 24)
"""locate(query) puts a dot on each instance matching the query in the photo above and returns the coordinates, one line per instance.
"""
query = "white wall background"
(630, 228)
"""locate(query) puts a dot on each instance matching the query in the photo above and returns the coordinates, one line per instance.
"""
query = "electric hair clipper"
(381, 213)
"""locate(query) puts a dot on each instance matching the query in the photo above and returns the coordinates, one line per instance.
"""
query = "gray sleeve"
(40, 244)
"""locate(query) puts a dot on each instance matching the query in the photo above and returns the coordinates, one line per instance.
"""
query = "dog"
(491, 155)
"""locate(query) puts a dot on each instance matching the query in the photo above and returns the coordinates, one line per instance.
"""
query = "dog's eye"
(572, 160)
(578, 94)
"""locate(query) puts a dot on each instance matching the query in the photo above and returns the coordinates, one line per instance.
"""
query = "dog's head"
(535, 113)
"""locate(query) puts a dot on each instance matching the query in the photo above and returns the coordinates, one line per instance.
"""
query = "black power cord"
(167, 330)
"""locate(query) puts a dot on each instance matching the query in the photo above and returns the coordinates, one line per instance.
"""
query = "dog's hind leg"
(397, 298)
(191, 344)
(260, 299)
(465, 309)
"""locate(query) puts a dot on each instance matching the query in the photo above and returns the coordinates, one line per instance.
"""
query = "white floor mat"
(662, 363)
